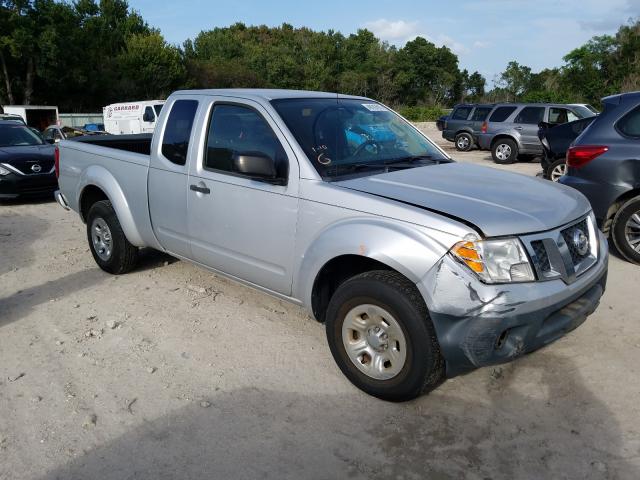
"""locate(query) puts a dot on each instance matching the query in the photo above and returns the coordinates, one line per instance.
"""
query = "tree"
(515, 80)
(149, 67)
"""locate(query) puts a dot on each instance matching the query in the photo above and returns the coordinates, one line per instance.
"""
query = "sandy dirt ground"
(173, 373)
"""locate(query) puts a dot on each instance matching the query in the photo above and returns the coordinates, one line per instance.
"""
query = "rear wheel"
(556, 170)
(110, 248)
(382, 338)
(464, 142)
(625, 230)
(504, 151)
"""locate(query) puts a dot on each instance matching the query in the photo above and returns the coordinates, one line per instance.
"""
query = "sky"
(485, 34)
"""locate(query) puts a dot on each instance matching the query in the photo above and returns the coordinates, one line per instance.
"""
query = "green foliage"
(420, 113)
(84, 54)
(605, 65)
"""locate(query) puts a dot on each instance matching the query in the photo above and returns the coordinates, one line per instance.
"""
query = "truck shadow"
(16, 244)
(18, 305)
(562, 432)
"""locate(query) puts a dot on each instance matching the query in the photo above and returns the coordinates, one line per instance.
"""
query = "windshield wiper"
(413, 158)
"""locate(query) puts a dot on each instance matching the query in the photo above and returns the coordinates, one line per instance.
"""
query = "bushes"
(420, 114)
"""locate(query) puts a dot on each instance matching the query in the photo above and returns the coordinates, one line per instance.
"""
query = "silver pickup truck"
(421, 268)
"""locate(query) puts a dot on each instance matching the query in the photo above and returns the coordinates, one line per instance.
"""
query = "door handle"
(518, 128)
(196, 188)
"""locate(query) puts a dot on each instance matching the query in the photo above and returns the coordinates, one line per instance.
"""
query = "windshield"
(339, 135)
(158, 109)
(18, 136)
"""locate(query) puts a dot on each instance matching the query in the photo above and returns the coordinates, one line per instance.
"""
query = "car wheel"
(463, 142)
(625, 230)
(110, 248)
(382, 338)
(504, 151)
(556, 170)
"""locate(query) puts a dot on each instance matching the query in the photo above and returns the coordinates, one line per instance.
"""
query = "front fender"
(409, 249)
(103, 179)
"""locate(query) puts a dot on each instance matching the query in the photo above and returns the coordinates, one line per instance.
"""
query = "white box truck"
(132, 117)
(36, 116)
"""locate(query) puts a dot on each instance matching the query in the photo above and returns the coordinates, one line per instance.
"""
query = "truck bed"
(140, 143)
(118, 165)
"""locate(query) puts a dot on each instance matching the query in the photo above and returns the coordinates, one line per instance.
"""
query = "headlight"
(4, 171)
(495, 261)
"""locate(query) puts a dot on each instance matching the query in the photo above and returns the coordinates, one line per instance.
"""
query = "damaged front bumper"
(479, 324)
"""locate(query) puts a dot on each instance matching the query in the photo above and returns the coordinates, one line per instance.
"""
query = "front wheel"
(625, 230)
(382, 338)
(110, 248)
(504, 151)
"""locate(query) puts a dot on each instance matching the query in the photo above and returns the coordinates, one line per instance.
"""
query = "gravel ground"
(171, 372)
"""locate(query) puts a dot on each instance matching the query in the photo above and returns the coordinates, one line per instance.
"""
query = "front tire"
(504, 151)
(463, 142)
(382, 338)
(110, 248)
(625, 230)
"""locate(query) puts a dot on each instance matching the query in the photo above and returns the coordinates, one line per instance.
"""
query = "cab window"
(175, 143)
(237, 130)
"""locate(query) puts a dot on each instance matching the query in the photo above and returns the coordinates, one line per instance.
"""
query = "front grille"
(25, 167)
(568, 234)
(542, 258)
(556, 253)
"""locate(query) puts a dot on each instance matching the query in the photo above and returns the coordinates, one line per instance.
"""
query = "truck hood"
(496, 202)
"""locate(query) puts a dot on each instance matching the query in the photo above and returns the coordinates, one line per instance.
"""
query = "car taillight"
(484, 127)
(580, 155)
(57, 162)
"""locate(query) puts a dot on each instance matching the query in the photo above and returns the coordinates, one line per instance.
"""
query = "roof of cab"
(265, 93)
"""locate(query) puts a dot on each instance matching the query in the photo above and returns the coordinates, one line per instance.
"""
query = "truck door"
(238, 225)
(168, 178)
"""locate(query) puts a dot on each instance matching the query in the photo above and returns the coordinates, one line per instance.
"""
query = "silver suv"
(511, 129)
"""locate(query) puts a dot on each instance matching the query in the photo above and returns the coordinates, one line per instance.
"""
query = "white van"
(133, 117)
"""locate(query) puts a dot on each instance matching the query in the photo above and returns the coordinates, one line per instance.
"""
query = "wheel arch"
(615, 207)
(503, 136)
(346, 250)
(99, 184)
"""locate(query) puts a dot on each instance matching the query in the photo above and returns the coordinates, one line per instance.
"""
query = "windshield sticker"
(374, 107)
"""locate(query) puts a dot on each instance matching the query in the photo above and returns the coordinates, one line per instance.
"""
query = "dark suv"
(604, 164)
(464, 124)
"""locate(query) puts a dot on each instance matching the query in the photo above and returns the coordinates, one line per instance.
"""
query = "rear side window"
(500, 114)
(461, 113)
(530, 115)
(175, 143)
(480, 114)
(629, 125)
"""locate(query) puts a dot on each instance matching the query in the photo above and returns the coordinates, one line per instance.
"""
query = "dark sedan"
(604, 164)
(26, 162)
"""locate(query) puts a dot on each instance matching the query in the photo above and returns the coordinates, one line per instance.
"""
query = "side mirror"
(148, 117)
(256, 165)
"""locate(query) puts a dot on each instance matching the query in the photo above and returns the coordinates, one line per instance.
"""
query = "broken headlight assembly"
(495, 261)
